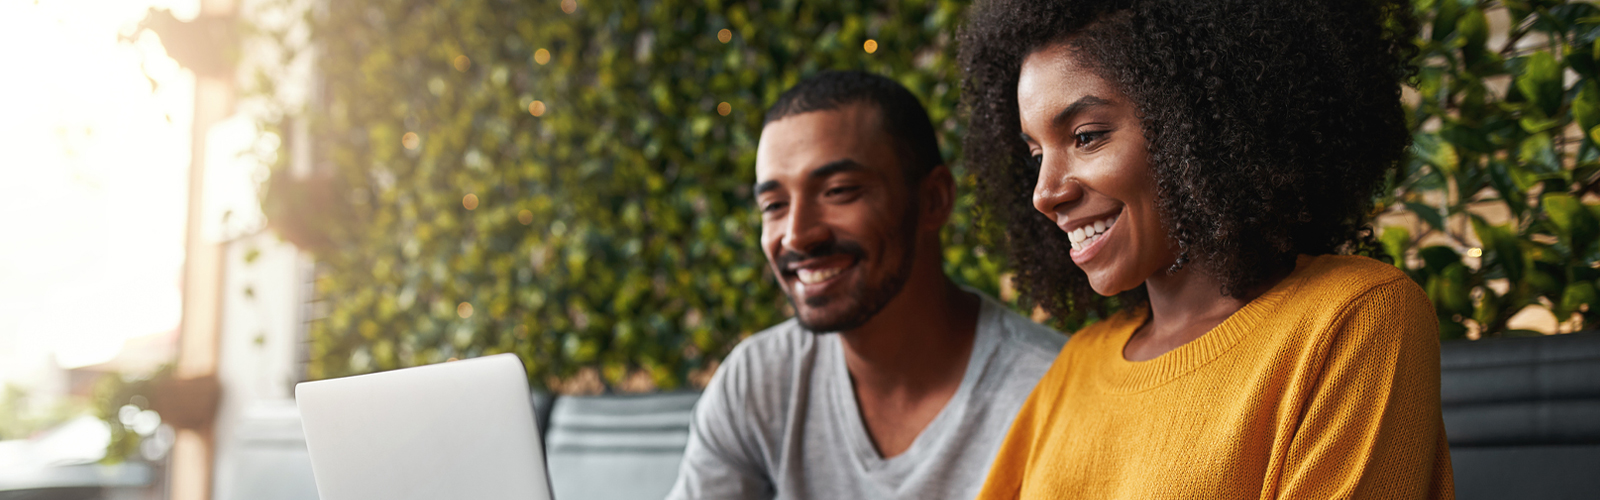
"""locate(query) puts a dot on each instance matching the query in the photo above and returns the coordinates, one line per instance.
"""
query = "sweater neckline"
(1123, 376)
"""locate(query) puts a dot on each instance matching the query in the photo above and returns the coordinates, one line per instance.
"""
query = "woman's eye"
(1087, 138)
(1036, 161)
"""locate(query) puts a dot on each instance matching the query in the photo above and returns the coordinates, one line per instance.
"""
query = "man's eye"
(772, 206)
(1087, 138)
(841, 190)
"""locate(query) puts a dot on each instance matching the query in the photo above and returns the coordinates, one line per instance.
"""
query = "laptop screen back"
(463, 429)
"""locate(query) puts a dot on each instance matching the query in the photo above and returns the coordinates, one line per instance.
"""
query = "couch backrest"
(1523, 416)
(617, 447)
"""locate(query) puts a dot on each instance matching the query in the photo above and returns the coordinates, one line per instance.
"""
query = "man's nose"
(806, 228)
(1054, 188)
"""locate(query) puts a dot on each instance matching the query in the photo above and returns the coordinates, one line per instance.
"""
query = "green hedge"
(1504, 179)
(616, 229)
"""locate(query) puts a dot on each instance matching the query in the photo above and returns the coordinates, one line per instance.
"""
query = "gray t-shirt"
(779, 419)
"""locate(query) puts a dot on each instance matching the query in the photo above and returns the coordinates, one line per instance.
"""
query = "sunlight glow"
(93, 184)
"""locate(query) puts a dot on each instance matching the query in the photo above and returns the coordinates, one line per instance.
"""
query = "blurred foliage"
(556, 179)
(561, 179)
(1503, 185)
(22, 415)
(118, 399)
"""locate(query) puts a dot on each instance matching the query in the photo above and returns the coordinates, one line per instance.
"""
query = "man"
(891, 381)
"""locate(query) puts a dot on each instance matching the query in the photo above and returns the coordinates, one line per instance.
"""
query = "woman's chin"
(1106, 287)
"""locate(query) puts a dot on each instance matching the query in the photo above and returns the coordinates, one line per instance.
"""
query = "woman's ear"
(936, 197)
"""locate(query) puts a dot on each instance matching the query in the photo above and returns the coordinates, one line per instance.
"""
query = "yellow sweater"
(1326, 386)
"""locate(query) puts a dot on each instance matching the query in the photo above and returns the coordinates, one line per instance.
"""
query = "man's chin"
(830, 319)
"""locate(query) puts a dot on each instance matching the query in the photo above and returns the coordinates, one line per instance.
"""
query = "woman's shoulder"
(1340, 278)
(1361, 294)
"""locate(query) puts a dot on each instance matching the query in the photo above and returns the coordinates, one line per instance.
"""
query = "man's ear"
(937, 197)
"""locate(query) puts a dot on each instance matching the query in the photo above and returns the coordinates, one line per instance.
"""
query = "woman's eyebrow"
(1076, 107)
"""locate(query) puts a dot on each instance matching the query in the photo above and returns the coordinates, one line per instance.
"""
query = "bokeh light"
(464, 310)
(541, 56)
(724, 108)
(569, 6)
(462, 63)
(725, 36)
(525, 217)
(536, 108)
(871, 46)
(470, 201)
(410, 140)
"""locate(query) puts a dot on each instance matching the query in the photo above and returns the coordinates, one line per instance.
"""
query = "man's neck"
(907, 362)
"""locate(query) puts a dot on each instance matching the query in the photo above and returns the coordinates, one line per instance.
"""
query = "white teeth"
(811, 276)
(1084, 236)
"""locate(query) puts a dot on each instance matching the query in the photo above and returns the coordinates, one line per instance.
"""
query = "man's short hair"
(903, 116)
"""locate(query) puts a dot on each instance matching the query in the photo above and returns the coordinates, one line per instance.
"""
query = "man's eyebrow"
(827, 169)
(763, 187)
(836, 167)
(1082, 103)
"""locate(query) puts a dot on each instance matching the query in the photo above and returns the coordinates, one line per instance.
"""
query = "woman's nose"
(1054, 188)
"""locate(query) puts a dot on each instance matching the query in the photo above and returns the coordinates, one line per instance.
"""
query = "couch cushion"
(617, 447)
(1522, 391)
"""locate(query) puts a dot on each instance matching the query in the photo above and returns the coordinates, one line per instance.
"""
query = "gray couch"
(1523, 416)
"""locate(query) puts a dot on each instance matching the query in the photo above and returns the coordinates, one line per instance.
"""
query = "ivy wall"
(570, 180)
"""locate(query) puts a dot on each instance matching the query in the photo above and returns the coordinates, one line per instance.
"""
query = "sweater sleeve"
(1372, 427)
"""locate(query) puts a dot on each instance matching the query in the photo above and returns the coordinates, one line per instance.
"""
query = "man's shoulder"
(1024, 337)
(767, 363)
(780, 343)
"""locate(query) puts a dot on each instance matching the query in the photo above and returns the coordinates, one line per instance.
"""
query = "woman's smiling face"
(1094, 170)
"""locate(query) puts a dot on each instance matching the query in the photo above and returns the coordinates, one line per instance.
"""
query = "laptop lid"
(463, 429)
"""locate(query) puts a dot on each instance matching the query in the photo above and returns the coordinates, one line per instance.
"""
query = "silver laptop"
(462, 429)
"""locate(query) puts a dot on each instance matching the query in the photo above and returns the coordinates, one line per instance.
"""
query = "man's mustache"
(849, 248)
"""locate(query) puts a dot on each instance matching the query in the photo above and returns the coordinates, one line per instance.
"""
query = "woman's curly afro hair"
(1271, 126)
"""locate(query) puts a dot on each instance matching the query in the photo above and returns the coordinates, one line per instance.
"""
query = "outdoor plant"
(1501, 194)
(570, 180)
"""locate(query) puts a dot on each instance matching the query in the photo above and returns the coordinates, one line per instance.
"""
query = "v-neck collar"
(843, 399)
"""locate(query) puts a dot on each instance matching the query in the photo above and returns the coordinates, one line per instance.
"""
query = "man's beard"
(870, 297)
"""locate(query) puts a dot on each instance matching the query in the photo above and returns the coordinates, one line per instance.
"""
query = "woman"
(1211, 164)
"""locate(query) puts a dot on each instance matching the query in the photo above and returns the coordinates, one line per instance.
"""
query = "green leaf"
(1488, 309)
(1516, 197)
(1454, 292)
(1575, 297)
(1437, 258)
(1500, 248)
(1538, 153)
(1446, 18)
(1578, 227)
(1540, 82)
(1586, 106)
(1473, 29)
(1428, 214)
(1437, 152)
(1395, 240)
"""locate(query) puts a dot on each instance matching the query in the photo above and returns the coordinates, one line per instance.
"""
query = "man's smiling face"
(838, 218)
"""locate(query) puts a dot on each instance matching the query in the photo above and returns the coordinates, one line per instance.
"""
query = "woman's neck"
(1184, 306)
